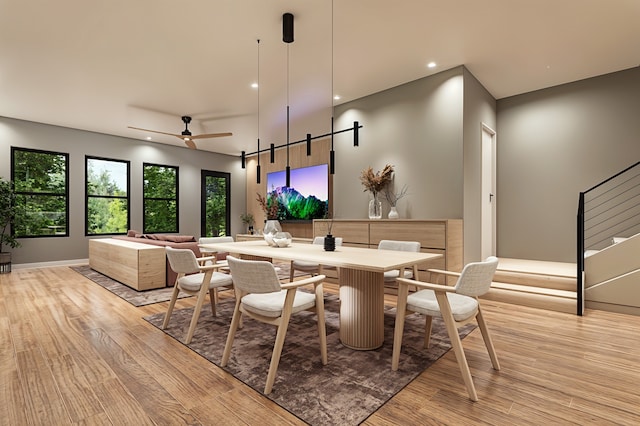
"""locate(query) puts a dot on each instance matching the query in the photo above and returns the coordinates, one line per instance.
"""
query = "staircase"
(537, 284)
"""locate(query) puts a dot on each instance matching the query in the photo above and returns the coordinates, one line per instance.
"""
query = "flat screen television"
(308, 196)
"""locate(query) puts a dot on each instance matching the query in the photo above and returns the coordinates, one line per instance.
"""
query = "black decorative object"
(329, 243)
(287, 28)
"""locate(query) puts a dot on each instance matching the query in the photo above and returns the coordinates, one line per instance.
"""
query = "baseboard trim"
(50, 264)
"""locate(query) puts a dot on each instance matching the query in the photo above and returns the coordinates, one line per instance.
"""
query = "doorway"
(488, 193)
(215, 217)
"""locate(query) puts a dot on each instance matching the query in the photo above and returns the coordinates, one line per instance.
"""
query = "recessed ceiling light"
(149, 138)
(336, 97)
(431, 65)
(254, 85)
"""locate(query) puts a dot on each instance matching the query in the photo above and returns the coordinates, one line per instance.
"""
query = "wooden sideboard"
(435, 236)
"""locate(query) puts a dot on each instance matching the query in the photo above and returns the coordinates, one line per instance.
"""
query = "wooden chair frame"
(450, 323)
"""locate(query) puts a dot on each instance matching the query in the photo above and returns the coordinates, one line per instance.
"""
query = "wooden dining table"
(360, 275)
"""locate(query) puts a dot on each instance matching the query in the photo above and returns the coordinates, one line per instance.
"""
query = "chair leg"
(291, 272)
(213, 299)
(487, 340)
(235, 321)
(172, 303)
(322, 329)
(427, 331)
(401, 311)
(456, 344)
(202, 294)
(277, 347)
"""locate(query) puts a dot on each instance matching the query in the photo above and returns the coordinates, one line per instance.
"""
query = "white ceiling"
(105, 65)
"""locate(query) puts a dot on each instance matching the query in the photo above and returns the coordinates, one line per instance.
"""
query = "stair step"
(541, 298)
(544, 291)
(536, 280)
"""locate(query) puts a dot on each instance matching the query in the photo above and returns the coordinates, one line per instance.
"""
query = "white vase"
(375, 209)
(393, 213)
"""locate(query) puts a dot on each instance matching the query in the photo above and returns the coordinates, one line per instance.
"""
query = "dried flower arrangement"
(269, 205)
(375, 183)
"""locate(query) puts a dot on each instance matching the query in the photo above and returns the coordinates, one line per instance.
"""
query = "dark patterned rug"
(136, 298)
(346, 391)
(148, 297)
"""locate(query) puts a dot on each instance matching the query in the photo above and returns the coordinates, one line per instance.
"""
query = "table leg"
(361, 309)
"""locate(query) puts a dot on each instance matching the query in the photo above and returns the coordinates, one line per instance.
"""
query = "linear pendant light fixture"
(287, 37)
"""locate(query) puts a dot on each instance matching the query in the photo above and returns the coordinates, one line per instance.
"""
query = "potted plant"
(8, 211)
(248, 221)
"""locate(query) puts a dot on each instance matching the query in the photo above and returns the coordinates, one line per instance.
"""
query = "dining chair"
(412, 246)
(261, 296)
(194, 278)
(457, 305)
(310, 267)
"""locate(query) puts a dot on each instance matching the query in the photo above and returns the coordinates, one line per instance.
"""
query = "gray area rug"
(346, 391)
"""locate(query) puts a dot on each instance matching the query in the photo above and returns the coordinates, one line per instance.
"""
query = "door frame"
(488, 199)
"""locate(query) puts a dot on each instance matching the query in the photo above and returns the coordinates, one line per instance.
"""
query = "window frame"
(15, 149)
(203, 201)
(87, 158)
(176, 199)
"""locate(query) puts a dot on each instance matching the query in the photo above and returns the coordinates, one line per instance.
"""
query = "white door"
(488, 193)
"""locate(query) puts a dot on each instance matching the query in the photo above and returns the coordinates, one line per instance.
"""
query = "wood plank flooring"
(73, 353)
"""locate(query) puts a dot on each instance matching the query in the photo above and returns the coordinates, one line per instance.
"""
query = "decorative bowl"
(282, 239)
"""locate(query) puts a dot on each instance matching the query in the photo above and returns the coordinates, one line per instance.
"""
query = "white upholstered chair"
(457, 305)
(310, 267)
(196, 279)
(261, 296)
(413, 246)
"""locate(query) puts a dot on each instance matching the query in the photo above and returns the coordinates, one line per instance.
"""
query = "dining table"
(360, 279)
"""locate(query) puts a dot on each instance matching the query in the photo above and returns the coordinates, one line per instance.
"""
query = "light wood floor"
(73, 353)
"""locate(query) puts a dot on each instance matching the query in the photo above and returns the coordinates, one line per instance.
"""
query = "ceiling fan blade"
(155, 131)
(190, 143)
(212, 135)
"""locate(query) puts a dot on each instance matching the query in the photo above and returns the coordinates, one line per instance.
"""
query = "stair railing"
(606, 210)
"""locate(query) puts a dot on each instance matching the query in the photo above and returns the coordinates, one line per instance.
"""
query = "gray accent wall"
(553, 144)
(430, 131)
(417, 128)
(79, 143)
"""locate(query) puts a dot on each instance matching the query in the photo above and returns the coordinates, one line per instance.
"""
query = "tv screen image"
(308, 196)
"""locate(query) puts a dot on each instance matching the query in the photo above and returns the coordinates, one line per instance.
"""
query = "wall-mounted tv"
(308, 196)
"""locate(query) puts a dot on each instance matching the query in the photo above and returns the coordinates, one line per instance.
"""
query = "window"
(216, 201)
(160, 198)
(107, 192)
(41, 183)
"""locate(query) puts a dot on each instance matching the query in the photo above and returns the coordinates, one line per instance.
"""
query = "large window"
(107, 192)
(41, 184)
(160, 198)
(216, 204)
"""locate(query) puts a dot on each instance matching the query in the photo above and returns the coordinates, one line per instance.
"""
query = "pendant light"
(258, 166)
(287, 37)
(332, 153)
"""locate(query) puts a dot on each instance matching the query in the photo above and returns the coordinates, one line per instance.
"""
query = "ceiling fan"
(186, 135)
